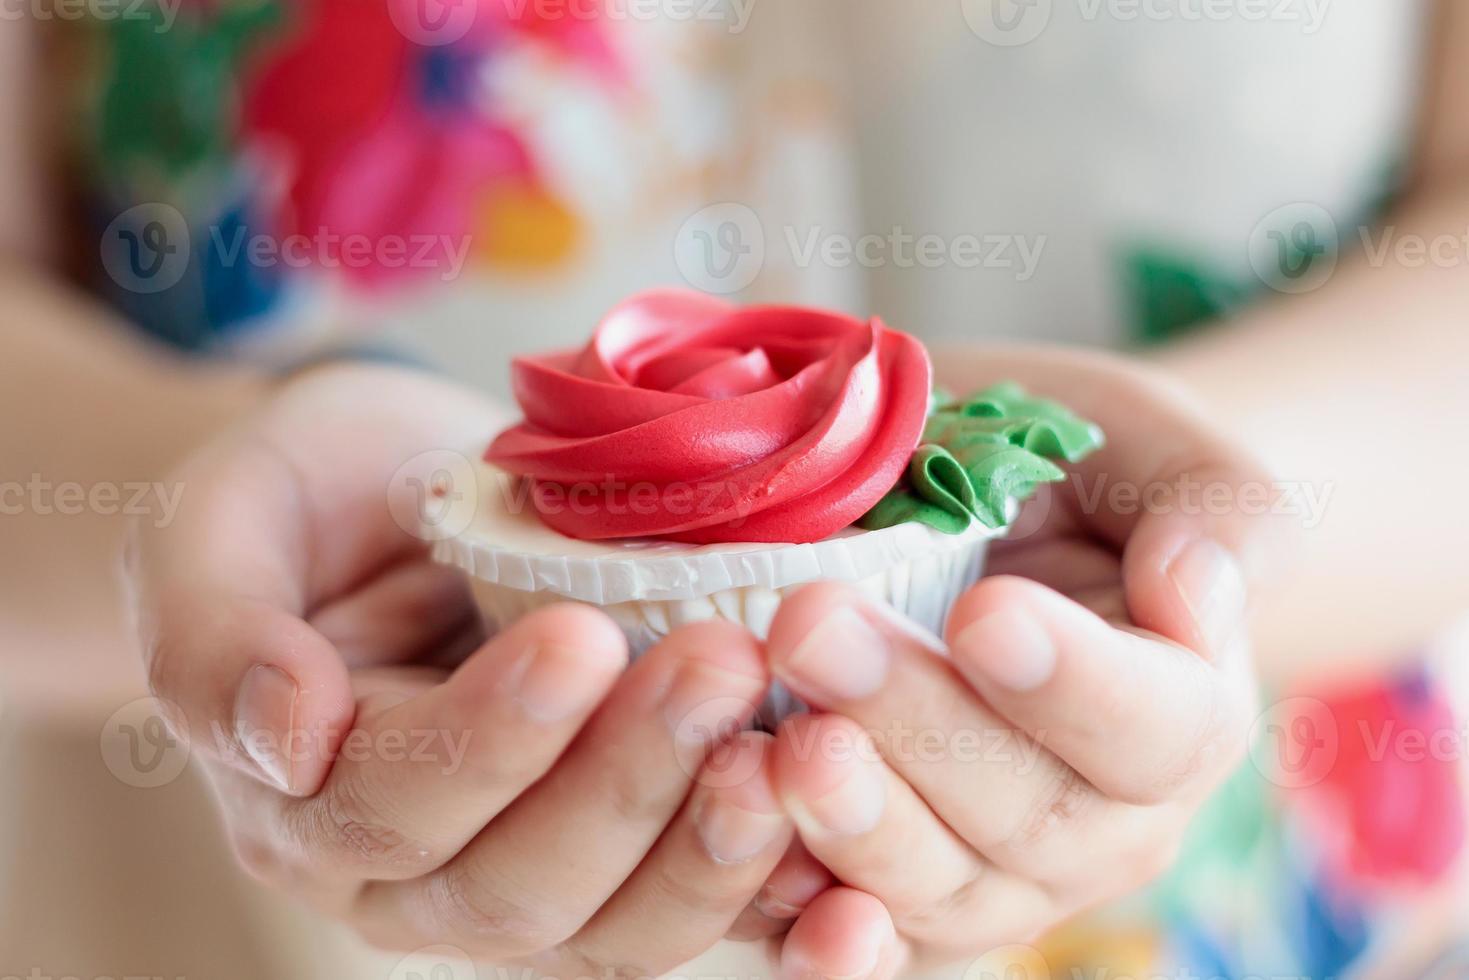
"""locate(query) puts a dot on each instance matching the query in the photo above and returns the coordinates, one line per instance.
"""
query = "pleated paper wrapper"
(649, 588)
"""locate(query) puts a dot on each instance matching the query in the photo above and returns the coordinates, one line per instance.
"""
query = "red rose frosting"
(690, 419)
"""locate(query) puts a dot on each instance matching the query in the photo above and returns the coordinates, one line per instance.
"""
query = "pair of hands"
(532, 798)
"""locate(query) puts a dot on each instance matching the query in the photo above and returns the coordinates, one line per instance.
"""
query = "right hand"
(539, 802)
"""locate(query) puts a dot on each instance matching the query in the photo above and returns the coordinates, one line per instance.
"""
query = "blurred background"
(198, 196)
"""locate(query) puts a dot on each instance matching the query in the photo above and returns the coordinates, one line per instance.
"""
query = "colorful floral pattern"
(1310, 878)
(366, 150)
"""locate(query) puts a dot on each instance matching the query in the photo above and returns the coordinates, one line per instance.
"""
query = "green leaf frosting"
(978, 456)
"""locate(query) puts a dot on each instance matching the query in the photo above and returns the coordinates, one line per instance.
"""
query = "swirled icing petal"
(685, 418)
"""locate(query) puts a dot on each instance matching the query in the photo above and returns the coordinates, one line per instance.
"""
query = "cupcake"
(697, 460)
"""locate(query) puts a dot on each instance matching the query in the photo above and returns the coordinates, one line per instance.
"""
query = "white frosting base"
(650, 588)
(506, 544)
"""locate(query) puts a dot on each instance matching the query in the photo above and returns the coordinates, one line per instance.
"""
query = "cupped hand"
(537, 802)
(1048, 754)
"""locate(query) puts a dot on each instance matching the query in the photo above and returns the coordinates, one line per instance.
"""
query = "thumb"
(218, 596)
(1202, 553)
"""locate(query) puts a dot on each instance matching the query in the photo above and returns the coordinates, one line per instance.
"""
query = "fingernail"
(734, 835)
(855, 806)
(265, 712)
(1009, 647)
(554, 683)
(706, 704)
(843, 658)
(790, 888)
(773, 907)
(1209, 580)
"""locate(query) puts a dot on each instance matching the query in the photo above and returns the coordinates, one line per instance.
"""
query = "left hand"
(1091, 694)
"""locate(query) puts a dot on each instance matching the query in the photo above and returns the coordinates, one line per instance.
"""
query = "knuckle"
(489, 919)
(1067, 796)
(963, 902)
(346, 831)
(1213, 749)
(699, 893)
(634, 796)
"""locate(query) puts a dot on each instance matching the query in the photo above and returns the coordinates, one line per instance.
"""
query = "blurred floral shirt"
(270, 178)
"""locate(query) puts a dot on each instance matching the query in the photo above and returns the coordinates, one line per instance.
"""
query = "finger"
(418, 778)
(409, 612)
(599, 810)
(794, 883)
(704, 870)
(1183, 578)
(272, 523)
(874, 832)
(1140, 719)
(219, 599)
(844, 934)
(1000, 790)
(1193, 511)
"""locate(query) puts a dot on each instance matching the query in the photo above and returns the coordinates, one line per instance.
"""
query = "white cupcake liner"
(649, 588)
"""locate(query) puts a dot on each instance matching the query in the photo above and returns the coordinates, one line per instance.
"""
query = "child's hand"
(538, 801)
(1050, 756)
